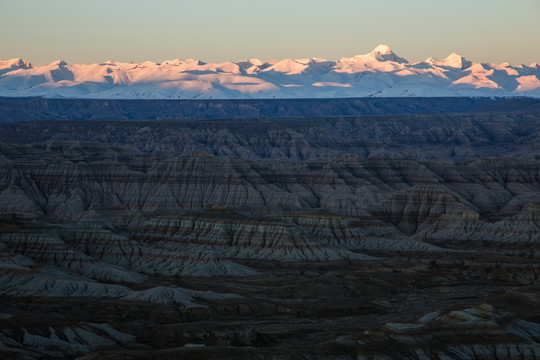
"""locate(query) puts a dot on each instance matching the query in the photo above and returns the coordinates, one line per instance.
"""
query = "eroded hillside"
(392, 237)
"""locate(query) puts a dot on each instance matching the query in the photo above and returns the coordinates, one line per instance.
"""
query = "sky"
(90, 31)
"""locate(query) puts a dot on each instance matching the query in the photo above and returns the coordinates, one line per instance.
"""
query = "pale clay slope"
(378, 73)
(479, 323)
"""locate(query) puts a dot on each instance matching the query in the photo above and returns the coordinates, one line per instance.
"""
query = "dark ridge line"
(46, 109)
(517, 97)
(293, 120)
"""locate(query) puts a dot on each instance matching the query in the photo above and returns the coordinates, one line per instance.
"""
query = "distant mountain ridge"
(14, 109)
(380, 73)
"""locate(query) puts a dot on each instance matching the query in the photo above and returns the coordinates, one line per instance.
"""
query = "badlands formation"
(410, 236)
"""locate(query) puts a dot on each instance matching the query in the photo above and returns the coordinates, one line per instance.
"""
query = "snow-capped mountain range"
(378, 73)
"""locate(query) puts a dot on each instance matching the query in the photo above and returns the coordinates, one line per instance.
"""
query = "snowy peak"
(287, 66)
(380, 54)
(16, 63)
(453, 61)
(194, 62)
(378, 73)
(383, 50)
(58, 63)
(381, 59)
(255, 62)
(384, 53)
(172, 62)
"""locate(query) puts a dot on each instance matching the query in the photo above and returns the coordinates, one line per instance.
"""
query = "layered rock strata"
(350, 238)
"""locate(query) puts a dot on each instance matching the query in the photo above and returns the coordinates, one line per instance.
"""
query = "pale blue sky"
(81, 31)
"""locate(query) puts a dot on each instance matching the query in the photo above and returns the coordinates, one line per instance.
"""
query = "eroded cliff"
(398, 237)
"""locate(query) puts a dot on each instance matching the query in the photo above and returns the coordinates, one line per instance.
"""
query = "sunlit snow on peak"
(58, 62)
(383, 49)
(452, 61)
(378, 73)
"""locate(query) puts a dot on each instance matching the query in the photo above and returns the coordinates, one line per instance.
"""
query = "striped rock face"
(393, 237)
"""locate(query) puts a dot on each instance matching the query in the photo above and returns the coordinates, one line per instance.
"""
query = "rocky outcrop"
(235, 236)
(519, 234)
(103, 255)
(489, 335)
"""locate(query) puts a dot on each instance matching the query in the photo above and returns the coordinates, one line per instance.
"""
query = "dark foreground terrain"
(413, 236)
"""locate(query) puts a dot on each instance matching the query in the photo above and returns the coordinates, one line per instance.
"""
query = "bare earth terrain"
(397, 234)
